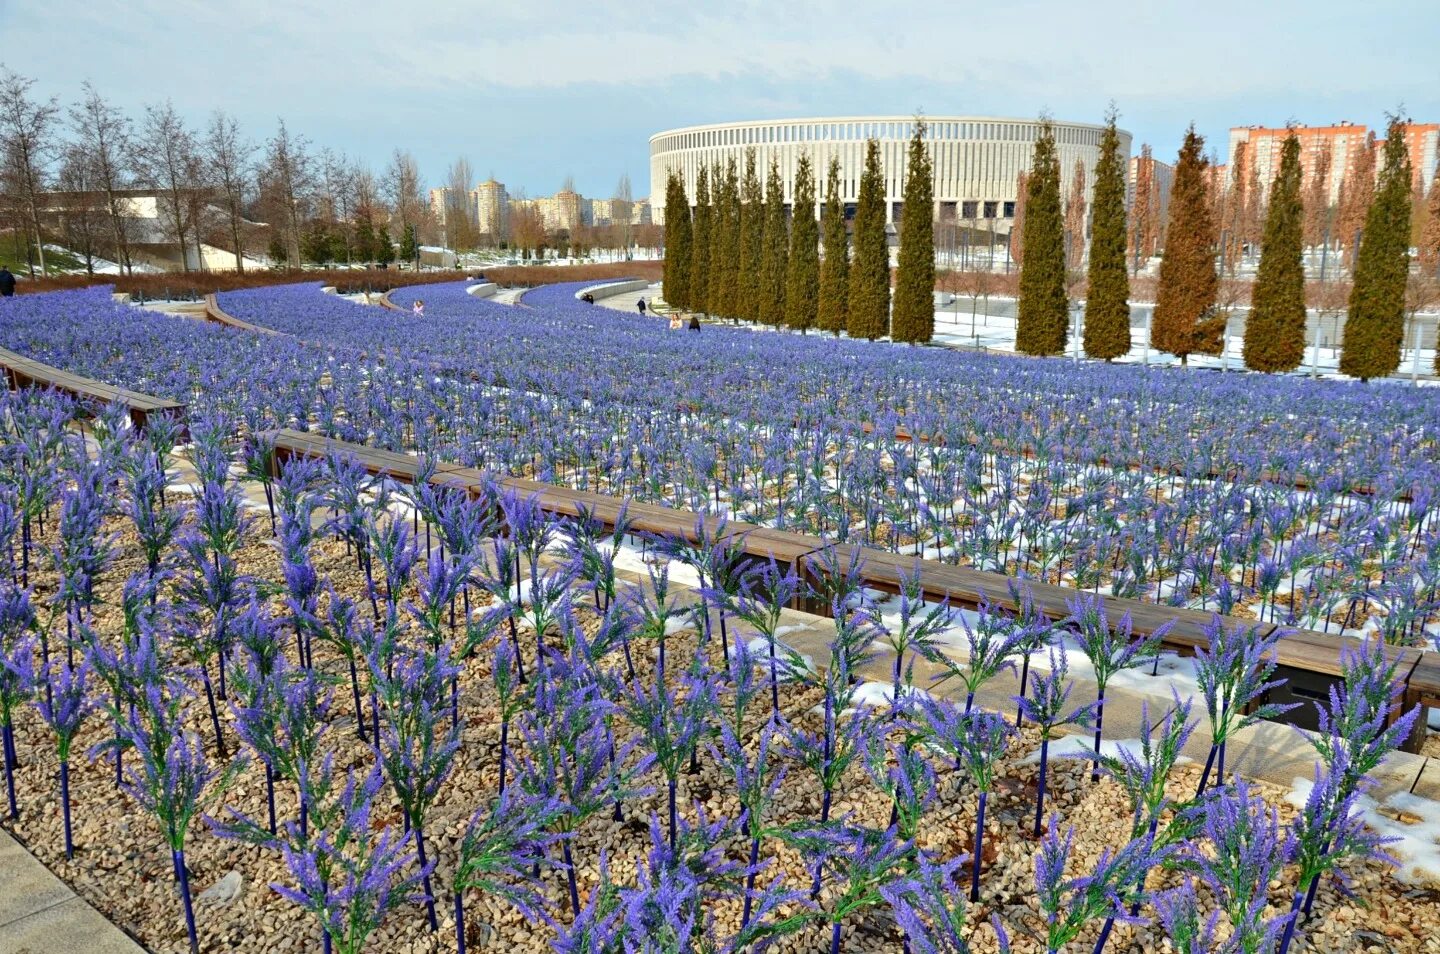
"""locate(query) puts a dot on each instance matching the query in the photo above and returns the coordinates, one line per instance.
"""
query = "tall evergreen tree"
(384, 248)
(700, 243)
(1275, 329)
(678, 250)
(913, 318)
(869, 306)
(832, 306)
(409, 245)
(725, 244)
(1107, 305)
(752, 241)
(802, 276)
(1185, 322)
(1042, 323)
(1375, 323)
(776, 250)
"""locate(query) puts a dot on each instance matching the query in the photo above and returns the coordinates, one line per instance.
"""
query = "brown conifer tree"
(1185, 322)
(1358, 191)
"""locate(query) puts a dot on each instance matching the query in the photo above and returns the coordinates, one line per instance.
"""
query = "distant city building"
(1260, 148)
(562, 211)
(977, 159)
(492, 207)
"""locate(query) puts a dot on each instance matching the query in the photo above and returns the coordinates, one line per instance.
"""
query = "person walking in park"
(419, 309)
(641, 305)
(694, 322)
(7, 282)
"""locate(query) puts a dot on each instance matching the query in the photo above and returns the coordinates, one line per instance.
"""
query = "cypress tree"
(752, 242)
(725, 242)
(409, 245)
(869, 307)
(384, 248)
(1275, 330)
(913, 319)
(802, 274)
(775, 251)
(1375, 323)
(677, 243)
(1042, 322)
(1107, 305)
(1184, 321)
(700, 243)
(831, 306)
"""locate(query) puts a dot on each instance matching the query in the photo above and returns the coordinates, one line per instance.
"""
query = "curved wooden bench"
(22, 372)
(213, 312)
(1310, 661)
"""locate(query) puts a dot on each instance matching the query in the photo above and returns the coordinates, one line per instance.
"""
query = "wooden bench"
(22, 372)
(218, 315)
(1310, 661)
(761, 543)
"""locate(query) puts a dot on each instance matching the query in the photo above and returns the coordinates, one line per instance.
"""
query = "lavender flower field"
(423, 719)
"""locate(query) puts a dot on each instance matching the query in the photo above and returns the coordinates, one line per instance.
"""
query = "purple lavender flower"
(1110, 650)
(413, 748)
(64, 709)
(18, 680)
(500, 851)
(1247, 849)
(1045, 706)
(1069, 904)
(1233, 671)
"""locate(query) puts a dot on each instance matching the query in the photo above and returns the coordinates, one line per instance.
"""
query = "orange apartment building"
(1261, 146)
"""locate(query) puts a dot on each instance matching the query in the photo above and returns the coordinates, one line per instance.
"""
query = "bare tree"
(165, 154)
(27, 142)
(1075, 219)
(229, 156)
(461, 228)
(622, 214)
(287, 180)
(1317, 198)
(403, 187)
(103, 133)
(82, 225)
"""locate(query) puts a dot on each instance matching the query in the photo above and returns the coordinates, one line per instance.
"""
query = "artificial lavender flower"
(757, 782)
(860, 860)
(990, 645)
(65, 708)
(18, 680)
(1328, 832)
(172, 778)
(1143, 774)
(499, 853)
(1071, 903)
(918, 632)
(1110, 650)
(765, 591)
(414, 748)
(672, 723)
(1232, 671)
(929, 909)
(1045, 706)
(1247, 849)
(977, 739)
(1178, 911)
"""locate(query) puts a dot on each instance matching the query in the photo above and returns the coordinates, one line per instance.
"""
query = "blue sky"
(537, 91)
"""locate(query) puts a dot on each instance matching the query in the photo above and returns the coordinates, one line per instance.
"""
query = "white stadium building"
(977, 159)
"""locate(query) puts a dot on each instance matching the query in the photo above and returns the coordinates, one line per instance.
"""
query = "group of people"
(675, 323)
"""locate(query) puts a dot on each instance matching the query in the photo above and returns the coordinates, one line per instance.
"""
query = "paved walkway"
(39, 914)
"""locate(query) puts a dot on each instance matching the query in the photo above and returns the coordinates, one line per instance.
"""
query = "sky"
(535, 92)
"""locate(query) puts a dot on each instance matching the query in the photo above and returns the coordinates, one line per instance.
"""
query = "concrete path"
(39, 914)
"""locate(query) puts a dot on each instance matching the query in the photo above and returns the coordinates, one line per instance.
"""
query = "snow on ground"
(1416, 838)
